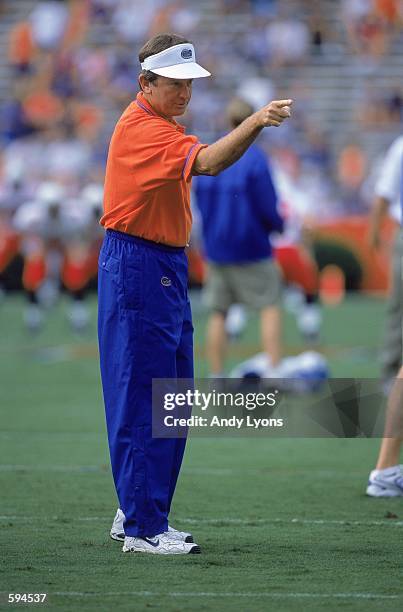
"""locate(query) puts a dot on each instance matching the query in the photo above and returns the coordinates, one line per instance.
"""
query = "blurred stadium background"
(301, 530)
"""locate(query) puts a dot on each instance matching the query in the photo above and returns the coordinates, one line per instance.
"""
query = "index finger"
(282, 103)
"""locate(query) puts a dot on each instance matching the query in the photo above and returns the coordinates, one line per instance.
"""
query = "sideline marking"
(219, 521)
(264, 594)
(300, 521)
(54, 468)
(197, 471)
(274, 595)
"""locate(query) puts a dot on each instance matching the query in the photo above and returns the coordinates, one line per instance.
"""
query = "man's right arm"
(226, 151)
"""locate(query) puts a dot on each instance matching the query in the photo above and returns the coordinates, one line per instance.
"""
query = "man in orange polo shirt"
(144, 319)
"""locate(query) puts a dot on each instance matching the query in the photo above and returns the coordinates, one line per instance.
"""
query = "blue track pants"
(145, 331)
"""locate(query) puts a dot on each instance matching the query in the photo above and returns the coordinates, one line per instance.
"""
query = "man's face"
(169, 97)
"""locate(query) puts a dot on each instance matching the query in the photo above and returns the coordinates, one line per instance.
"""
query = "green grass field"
(283, 524)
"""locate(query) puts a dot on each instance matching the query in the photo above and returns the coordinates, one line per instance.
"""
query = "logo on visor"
(186, 53)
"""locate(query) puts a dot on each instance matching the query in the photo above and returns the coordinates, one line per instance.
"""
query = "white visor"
(178, 62)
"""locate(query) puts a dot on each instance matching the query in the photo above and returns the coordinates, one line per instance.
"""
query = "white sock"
(389, 470)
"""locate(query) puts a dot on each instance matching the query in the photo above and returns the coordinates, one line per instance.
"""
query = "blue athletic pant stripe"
(145, 331)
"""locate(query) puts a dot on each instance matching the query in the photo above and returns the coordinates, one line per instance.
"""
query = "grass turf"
(283, 523)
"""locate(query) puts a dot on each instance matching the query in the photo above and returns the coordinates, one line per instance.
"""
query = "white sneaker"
(161, 544)
(118, 533)
(180, 535)
(386, 483)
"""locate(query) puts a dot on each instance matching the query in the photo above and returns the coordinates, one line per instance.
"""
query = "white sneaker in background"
(386, 483)
(309, 322)
(33, 318)
(293, 299)
(117, 531)
(48, 293)
(79, 317)
(161, 544)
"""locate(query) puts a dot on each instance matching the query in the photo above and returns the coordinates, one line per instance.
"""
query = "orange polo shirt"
(148, 176)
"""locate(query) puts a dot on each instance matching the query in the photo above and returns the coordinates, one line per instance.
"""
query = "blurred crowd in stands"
(73, 68)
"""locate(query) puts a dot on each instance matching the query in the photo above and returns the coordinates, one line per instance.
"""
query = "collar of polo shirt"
(177, 62)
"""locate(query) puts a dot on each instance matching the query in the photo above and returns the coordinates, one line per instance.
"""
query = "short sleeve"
(160, 153)
(190, 160)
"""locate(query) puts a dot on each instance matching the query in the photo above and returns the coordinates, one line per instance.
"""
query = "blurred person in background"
(255, 89)
(91, 207)
(102, 10)
(58, 153)
(387, 201)
(351, 170)
(14, 191)
(369, 32)
(50, 228)
(15, 123)
(288, 37)
(238, 212)
(175, 16)
(319, 32)
(21, 48)
(48, 21)
(298, 204)
(132, 19)
(386, 480)
(377, 108)
(91, 198)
